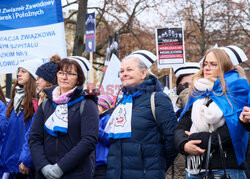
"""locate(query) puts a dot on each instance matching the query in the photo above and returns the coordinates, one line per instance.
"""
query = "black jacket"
(71, 151)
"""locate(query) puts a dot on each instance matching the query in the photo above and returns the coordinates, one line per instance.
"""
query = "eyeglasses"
(211, 65)
(22, 71)
(67, 74)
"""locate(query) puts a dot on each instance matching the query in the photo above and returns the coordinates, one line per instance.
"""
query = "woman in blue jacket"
(141, 146)
(62, 137)
(105, 102)
(19, 116)
(3, 122)
(46, 77)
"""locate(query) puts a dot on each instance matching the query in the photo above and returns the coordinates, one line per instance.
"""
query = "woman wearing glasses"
(217, 96)
(61, 138)
(19, 115)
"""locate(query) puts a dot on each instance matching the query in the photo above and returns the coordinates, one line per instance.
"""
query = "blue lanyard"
(71, 102)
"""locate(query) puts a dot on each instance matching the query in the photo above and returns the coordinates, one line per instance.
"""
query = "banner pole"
(91, 78)
(171, 86)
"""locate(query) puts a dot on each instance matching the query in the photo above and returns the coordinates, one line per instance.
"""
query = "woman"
(19, 115)
(137, 147)
(245, 116)
(105, 103)
(217, 97)
(3, 122)
(46, 77)
(62, 139)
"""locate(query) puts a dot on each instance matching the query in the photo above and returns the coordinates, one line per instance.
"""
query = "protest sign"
(170, 46)
(30, 29)
(90, 32)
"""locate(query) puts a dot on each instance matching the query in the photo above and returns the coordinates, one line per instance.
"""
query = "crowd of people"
(53, 128)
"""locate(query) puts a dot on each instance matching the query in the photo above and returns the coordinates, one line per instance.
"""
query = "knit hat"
(48, 72)
(31, 66)
(235, 54)
(106, 101)
(187, 68)
(145, 56)
(83, 62)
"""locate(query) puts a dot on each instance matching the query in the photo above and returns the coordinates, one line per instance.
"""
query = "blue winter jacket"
(13, 141)
(3, 122)
(70, 151)
(102, 147)
(150, 150)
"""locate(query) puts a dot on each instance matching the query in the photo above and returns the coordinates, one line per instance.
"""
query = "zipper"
(57, 149)
(121, 160)
(142, 159)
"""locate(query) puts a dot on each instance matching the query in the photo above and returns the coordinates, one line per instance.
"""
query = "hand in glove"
(55, 171)
(46, 170)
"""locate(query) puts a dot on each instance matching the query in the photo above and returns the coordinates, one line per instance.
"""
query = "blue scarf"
(237, 95)
(119, 124)
(58, 123)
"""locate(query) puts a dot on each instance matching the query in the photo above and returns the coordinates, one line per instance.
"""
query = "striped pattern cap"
(83, 62)
(145, 56)
(106, 101)
(235, 54)
(186, 68)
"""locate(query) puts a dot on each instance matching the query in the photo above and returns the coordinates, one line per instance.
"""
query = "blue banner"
(30, 29)
(90, 32)
(15, 14)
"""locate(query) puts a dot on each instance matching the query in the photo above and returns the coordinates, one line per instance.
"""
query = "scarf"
(19, 95)
(42, 97)
(119, 124)
(58, 121)
(204, 119)
(237, 95)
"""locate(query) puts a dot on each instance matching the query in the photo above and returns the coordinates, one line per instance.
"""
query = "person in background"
(245, 117)
(141, 146)
(46, 77)
(62, 137)
(216, 96)
(105, 103)
(3, 122)
(19, 115)
(184, 74)
(245, 121)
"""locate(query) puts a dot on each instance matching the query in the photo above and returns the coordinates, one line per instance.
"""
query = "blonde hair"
(224, 65)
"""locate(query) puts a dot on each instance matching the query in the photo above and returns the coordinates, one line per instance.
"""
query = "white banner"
(35, 42)
(111, 81)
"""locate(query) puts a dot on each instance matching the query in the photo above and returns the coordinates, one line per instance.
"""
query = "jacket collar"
(76, 94)
(150, 85)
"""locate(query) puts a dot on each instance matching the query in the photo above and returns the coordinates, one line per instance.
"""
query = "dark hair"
(66, 65)
(180, 78)
(55, 58)
(30, 94)
(2, 98)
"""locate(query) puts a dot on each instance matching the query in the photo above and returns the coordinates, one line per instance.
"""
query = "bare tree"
(80, 28)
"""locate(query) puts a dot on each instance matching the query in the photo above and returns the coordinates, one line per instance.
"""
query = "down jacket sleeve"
(166, 120)
(25, 155)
